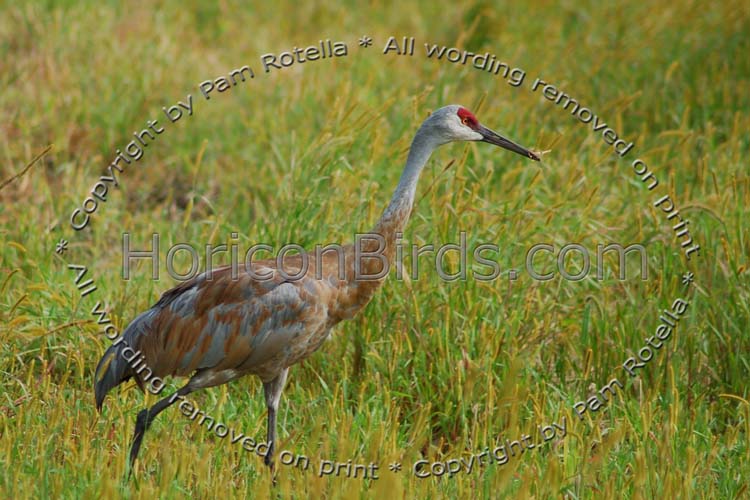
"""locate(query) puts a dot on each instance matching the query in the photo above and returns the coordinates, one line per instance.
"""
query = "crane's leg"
(145, 417)
(201, 380)
(272, 391)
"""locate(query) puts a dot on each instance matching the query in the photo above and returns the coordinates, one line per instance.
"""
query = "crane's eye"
(465, 120)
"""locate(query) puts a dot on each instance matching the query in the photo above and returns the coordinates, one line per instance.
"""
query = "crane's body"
(227, 326)
(219, 326)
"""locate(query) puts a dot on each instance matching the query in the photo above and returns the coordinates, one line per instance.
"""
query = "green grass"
(310, 154)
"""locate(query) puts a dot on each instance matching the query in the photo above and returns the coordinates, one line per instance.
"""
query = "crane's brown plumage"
(218, 327)
(248, 325)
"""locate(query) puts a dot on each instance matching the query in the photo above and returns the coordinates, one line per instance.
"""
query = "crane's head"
(456, 123)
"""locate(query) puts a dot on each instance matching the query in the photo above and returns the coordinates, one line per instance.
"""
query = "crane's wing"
(228, 322)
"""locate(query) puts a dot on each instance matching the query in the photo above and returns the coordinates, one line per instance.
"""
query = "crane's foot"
(272, 469)
(270, 462)
(141, 424)
(269, 458)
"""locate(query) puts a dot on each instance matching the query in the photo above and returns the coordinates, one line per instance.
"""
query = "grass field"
(431, 370)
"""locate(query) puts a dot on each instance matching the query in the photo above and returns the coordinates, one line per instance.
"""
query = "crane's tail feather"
(111, 371)
(114, 368)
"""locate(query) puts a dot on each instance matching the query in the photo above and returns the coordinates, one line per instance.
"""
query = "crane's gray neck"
(391, 223)
(396, 215)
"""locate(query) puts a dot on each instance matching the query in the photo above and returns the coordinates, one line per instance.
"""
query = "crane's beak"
(498, 140)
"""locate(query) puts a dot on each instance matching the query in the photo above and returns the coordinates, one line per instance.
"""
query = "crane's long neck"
(367, 273)
(396, 215)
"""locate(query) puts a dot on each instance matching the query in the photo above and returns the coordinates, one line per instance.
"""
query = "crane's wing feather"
(232, 322)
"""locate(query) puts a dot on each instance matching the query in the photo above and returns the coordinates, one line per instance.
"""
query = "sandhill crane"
(221, 328)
